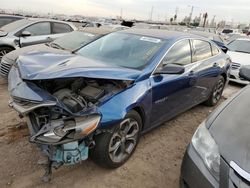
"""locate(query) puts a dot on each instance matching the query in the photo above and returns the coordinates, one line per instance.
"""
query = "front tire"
(216, 93)
(113, 149)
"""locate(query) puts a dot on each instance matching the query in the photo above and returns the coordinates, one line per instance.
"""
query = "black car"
(6, 19)
(219, 153)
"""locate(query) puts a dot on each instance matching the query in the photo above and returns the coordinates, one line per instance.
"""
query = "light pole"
(191, 13)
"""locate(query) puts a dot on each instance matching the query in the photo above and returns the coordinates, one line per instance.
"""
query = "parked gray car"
(219, 155)
(65, 44)
(31, 31)
(6, 19)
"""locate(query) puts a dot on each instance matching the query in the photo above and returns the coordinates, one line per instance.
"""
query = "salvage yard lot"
(155, 163)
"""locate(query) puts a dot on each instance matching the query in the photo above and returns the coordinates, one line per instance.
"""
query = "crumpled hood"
(13, 55)
(40, 66)
(231, 130)
(239, 57)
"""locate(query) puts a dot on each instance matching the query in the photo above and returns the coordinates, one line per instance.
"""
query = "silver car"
(65, 44)
(31, 31)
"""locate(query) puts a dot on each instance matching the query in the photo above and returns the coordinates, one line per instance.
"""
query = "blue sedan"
(98, 100)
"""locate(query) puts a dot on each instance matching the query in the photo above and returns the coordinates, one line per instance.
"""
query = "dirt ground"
(155, 163)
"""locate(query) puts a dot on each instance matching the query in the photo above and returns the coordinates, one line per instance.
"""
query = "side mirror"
(171, 69)
(224, 49)
(221, 45)
(245, 72)
(25, 34)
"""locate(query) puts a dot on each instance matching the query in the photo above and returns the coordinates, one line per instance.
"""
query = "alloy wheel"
(124, 140)
(218, 91)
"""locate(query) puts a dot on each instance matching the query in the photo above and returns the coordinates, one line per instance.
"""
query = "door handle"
(49, 38)
(216, 65)
(191, 73)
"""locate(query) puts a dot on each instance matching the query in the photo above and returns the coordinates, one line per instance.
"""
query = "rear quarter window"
(215, 50)
(60, 28)
(202, 50)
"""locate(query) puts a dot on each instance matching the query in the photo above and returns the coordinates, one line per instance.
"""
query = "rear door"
(40, 33)
(206, 69)
(171, 93)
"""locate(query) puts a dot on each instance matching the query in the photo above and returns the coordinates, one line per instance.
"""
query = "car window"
(227, 31)
(202, 50)
(215, 50)
(239, 46)
(4, 21)
(37, 29)
(16, 25)
(74, 40)
(179, 54)
(127, 50)
(61, 28)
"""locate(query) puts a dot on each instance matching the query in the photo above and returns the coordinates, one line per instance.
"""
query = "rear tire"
(112, 150)
(4, 51)
(216, 93)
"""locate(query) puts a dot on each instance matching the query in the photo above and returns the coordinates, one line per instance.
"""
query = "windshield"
(15, 25)
(74, 40)
(123, 49)
(240, 46)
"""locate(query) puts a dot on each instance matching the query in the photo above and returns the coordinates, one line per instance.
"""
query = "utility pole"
(151, 13)
(176, 13)
(121, 14)
(191, 13)
(213, 21)
(205, 19)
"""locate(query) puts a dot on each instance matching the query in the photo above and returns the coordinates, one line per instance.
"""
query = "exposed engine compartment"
(80, 93)
(65, 130)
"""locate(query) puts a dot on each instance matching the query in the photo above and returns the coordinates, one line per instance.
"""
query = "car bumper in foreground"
(194, 173)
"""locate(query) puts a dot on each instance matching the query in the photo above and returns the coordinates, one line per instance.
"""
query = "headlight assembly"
(70, 129)
(208, 150)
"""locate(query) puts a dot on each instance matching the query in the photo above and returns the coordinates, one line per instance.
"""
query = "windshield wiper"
(55, 45)
(242, 51)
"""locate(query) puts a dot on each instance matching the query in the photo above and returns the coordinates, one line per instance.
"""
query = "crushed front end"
(62, 114)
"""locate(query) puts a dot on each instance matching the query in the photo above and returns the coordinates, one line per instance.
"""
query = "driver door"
(171, 92)
(40, 33)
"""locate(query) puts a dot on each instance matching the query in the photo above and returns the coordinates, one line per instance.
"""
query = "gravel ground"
(155, 163)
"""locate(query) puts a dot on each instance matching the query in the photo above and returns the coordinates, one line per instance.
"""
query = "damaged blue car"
(98, 100)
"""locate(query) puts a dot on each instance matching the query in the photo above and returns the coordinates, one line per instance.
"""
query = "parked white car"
(239, 51)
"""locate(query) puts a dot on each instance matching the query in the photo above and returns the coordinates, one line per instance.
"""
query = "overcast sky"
(236, 10)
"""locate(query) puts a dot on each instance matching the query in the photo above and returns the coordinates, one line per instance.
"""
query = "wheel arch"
(141, 112)
(224, 76)
(7, 46)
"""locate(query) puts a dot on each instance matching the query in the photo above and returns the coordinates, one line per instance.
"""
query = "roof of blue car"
(158, 33)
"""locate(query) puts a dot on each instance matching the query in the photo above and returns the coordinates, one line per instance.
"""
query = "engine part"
(71, 153)
(74, 102)
(92, 93)
(68, 154)
(77, 85)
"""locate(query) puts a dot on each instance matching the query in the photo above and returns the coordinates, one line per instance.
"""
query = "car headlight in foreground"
(208, 150)
(72, 130)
